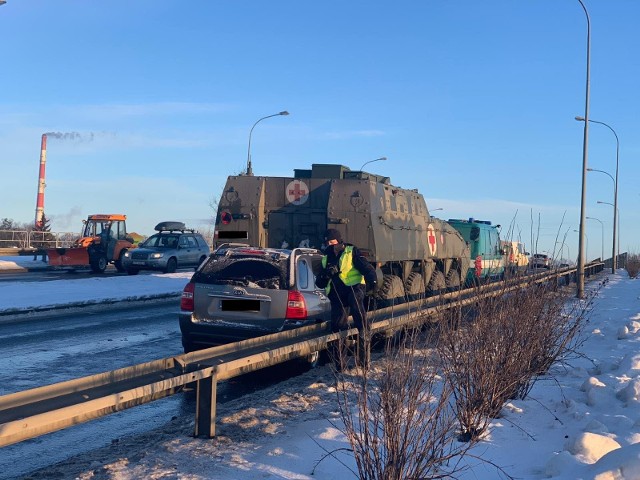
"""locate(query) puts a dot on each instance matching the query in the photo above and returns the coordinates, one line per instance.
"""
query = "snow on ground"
(584, 423)
(29, 296)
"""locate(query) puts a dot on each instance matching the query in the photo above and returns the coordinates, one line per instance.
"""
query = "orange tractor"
(103, 240)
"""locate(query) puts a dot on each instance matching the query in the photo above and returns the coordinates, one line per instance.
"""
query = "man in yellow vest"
(344, 276)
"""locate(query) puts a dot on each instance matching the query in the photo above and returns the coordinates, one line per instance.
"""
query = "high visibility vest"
(348, 273)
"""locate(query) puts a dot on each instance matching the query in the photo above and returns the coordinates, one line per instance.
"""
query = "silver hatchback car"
(243, 292)
(173, 247)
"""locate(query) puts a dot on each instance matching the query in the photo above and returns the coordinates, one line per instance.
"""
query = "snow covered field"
(584, 424)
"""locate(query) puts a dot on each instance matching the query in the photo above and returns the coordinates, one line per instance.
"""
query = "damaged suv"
(242, 292)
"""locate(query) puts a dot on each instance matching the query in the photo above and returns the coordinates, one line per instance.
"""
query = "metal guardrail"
(35, 412)
(31, 239)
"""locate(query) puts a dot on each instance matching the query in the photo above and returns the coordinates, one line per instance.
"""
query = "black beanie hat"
(332, 234)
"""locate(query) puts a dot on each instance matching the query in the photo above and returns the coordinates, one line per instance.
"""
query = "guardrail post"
(206, 407)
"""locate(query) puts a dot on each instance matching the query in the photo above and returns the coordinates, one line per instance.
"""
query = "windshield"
(161, 241)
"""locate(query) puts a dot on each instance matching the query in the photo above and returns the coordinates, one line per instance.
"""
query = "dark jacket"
(359, 262)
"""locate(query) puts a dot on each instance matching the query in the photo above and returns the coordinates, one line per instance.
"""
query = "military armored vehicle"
(413, 252)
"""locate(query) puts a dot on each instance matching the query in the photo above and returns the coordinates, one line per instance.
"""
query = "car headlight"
(127, 254)
(157, 255)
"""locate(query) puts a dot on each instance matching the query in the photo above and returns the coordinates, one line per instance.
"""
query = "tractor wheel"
(437, 283)
(391, 288)
(453, 280)
(99, 264)
(172, 264)
(414, 285)
(118, 263)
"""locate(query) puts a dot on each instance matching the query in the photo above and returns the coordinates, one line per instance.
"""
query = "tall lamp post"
(381, 159)
(586, 241)
(585, 147)
(618, 226)
(249, 169)
(615, 190)
(602, 241)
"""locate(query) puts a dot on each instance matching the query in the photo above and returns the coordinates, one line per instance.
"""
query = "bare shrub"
(633, 265)
(397, 414)
(506, 342)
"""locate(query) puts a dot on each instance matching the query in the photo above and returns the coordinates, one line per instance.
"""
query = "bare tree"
(397, 414)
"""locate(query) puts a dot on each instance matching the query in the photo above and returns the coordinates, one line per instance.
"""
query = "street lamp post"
(381, 159)
(602, 241)
(586, 241)
(585, 147)
(615, 193)
(617, 214)
(613, 248)
(249, 169)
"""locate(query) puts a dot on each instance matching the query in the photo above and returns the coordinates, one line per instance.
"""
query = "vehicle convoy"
(173, 247)
(516, 258)
(413, 253)
(242, 292)
(103, 240)
(487, 256)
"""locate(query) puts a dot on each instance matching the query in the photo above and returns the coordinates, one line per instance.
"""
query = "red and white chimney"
(41, 183)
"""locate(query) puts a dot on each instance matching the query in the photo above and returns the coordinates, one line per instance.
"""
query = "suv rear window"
(246, 272)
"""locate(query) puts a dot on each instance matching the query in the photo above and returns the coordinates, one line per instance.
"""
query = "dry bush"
(397, 414)
(505, 343)
(633, 265)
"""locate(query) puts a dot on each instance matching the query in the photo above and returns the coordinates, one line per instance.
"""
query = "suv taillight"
(186, 301)
(296, 306)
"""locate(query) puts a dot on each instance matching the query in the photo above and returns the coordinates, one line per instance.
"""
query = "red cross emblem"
(297, 192)
(431, 238)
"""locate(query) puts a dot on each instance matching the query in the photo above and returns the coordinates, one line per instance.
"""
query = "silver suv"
(243, 292)
(173, 247)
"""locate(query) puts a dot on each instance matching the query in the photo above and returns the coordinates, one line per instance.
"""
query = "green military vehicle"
(414, 253)
(487, 254)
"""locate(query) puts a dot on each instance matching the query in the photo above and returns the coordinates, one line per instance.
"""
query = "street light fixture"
(249, 169)
(585, 147)
(602, 241)
(381, 159)
(615, 192)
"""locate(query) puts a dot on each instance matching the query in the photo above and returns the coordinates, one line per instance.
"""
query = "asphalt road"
(62, 347)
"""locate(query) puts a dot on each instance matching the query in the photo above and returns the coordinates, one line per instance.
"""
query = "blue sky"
(473, 104)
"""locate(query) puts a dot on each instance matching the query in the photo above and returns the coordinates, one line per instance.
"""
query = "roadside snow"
(582, 424)
(19, 296)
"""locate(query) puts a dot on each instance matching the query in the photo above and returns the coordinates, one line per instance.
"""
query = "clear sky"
(472, 102)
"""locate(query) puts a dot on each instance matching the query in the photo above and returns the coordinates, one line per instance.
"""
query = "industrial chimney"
(41, 184)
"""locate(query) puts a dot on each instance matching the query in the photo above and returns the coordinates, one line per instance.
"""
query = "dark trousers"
(345, 300)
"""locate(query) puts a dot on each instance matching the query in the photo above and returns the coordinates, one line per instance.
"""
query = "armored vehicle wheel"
(453, 280)
(391, 288)
(99, 264)
(414, 284)
(437, 283)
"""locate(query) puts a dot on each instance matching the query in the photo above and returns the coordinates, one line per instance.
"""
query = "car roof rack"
(172, 227)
